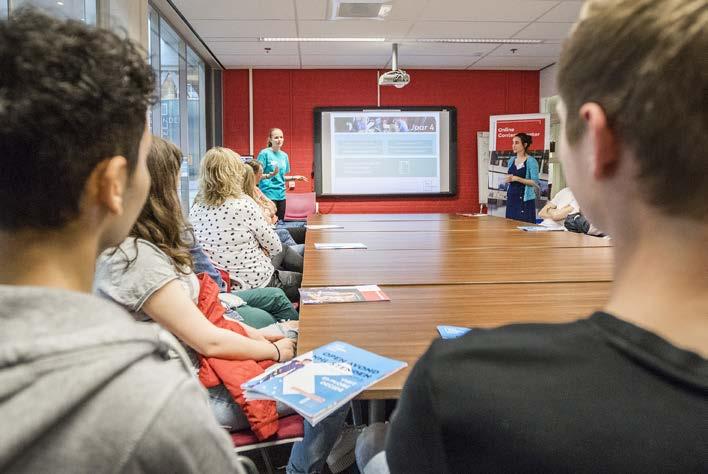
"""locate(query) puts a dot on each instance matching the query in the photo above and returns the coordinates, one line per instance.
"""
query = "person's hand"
(290, 324)
(509, 178)
(299, 178)
(253, 333)
(286, 347)
(272, 337)
(551, 205)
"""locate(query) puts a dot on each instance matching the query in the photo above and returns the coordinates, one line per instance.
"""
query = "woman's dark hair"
(161, 221)
(525, 140)
(71, 96)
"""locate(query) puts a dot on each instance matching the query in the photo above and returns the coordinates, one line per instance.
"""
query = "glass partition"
(170, 47)
(84, 10)
(180, 114)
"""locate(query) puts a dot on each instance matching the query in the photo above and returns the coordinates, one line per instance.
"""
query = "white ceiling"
(232, 28)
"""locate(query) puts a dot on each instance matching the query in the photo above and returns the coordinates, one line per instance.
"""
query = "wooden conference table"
(479, 272)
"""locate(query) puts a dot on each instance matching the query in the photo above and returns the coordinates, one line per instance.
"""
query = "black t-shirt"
(595, 395)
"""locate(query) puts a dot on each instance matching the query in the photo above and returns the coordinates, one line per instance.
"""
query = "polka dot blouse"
(235, 235)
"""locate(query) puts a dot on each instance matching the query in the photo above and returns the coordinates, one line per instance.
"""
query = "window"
(170, 47)
(78, 9)
(196, 113)
(179, 116)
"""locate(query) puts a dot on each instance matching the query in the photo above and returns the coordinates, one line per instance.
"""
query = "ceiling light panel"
(479, 40)
(322, 40)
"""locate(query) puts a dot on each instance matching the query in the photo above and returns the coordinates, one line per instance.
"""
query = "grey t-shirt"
(134, 271)
(131, 273)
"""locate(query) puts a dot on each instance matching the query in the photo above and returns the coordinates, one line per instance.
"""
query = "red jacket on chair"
(261, 414)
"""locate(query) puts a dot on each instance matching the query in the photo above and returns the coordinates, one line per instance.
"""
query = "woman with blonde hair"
(254, 173)
(233, 231)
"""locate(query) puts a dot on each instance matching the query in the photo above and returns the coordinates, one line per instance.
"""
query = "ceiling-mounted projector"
(398, 78)
(395, 77)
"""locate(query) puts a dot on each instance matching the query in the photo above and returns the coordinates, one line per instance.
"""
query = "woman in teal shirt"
(275, 164)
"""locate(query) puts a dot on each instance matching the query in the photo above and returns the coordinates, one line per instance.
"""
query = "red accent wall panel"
(236, 110)
(286, 99)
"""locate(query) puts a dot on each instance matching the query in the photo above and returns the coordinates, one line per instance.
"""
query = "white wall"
(547, 82)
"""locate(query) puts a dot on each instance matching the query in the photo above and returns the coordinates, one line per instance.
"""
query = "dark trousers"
(289, 282)
(280, 209)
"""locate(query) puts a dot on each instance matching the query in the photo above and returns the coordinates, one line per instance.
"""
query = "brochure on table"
(337, 246)
(342, 294)
(323, 226)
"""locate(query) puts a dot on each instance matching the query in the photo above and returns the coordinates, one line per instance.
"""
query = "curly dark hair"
(71, 96)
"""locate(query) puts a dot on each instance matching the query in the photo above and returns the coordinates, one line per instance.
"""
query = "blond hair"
(644, 62)
(249, 183)
(220, 176)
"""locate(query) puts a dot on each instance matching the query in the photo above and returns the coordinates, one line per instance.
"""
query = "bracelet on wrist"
(277, 350)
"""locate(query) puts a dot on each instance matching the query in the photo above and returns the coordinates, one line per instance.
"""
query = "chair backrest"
(299, 206)
(290, 430)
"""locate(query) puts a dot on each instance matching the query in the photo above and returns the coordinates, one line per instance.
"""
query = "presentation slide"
(375, 152)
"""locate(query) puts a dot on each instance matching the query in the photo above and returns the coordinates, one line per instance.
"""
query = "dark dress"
(516, 207)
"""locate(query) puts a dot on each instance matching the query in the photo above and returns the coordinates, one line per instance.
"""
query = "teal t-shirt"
(274, 188)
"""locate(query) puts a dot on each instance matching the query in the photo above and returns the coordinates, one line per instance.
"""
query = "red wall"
(286, 99)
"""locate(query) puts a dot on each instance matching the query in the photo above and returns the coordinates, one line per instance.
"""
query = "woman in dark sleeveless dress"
(522, 179)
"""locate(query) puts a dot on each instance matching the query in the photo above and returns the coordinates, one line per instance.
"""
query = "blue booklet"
(451, 332)
(318, 382)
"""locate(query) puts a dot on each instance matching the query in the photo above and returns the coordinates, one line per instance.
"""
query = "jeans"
(285, 237)
(296, 229)
(281, 224)
(307, 456)
(202, 263)
(369, 451)
(288, 259)
(265, 306)
(289, 282)
(229, 414)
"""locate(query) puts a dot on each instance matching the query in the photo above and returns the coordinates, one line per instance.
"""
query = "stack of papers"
(323, 226)
(317, 383)
(323, 246)
(342, 294)
(539, 228)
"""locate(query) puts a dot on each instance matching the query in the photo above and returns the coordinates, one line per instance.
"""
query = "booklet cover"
(342, 294)
(335, 246)
(324, 226)
(539, 228)
(318, 382)
(451, 332)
